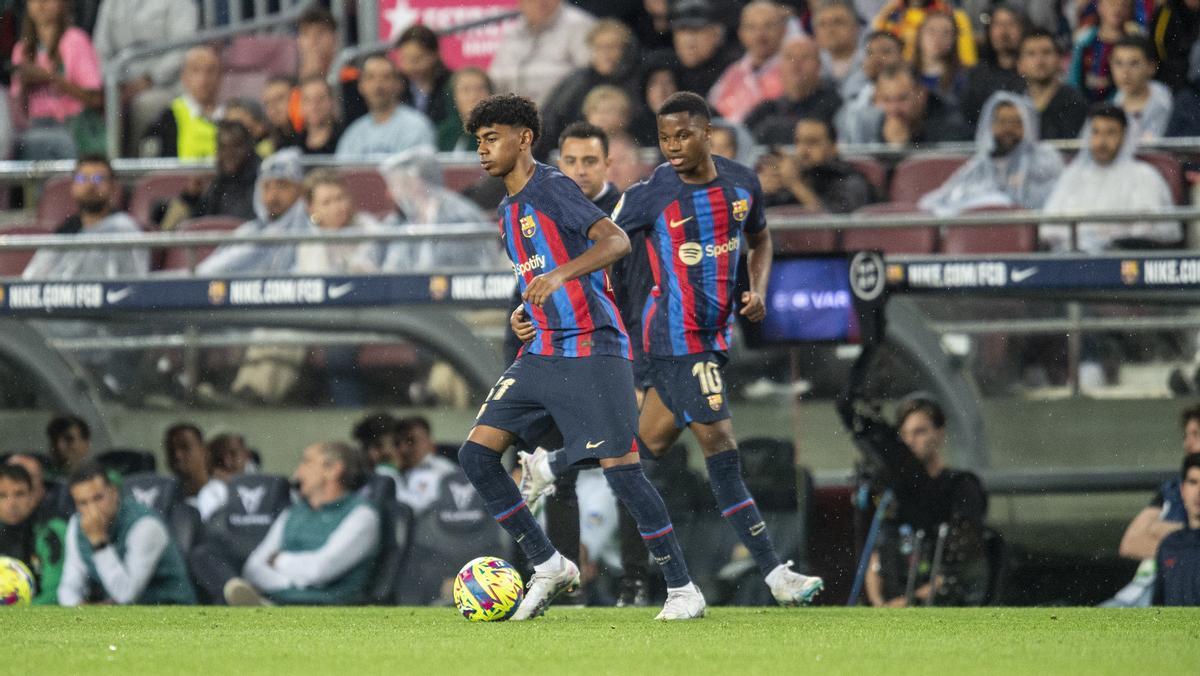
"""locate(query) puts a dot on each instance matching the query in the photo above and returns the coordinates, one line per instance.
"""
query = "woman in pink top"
(56, 76)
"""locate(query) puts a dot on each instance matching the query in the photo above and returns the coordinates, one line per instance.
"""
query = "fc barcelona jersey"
(543, 226)
(693, 241)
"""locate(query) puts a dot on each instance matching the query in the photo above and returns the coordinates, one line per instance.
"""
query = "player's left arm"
(758, 262)
(610, 243)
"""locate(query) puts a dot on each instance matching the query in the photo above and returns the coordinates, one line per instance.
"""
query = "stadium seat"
(395, 521)
(127, 461)
(249, 61)
(13, 262)
(161, 493)
(1167, 165)
(453, 530)
(55, 203)
(875, 172)
(799, 241)
(984, 239)
(254, 502)
(459, 177)
(153, 189)
(914, 240)
(916, 176)
(177, 258)
(368, 191)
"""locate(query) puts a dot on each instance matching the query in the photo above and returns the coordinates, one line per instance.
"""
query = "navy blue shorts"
(641, 369)
(691, 386)
(590, 399)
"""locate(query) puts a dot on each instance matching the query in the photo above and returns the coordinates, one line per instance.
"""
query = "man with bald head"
(805, 95)
(754, 78)
(188, 128)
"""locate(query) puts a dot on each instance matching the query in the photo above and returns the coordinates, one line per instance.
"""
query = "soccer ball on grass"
(16, 583)
(488, 589)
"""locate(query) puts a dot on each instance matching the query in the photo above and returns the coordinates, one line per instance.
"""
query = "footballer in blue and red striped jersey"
(694, 235)
(575, 372)
(542, 227)
(700, 213)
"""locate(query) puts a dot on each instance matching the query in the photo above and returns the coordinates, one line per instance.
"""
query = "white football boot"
(537, 481)
(544, 586)
(791, 588)
(683, 603)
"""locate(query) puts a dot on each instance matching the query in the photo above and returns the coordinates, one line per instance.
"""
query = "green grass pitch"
(359, 641)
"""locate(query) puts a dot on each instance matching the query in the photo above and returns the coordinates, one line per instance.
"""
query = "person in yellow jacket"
(188, 128)
(902, 18)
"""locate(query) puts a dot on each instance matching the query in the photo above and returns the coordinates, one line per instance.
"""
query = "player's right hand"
(521, 325)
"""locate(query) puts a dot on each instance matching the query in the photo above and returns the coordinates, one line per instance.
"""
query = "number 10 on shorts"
(709, 375)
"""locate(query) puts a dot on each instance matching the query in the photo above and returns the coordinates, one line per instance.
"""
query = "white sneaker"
(537, 481)
(544, 586)
(683, 603)
(239, 592)
(791, 588)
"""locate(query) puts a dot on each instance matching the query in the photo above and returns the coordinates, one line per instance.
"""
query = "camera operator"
(907, 459)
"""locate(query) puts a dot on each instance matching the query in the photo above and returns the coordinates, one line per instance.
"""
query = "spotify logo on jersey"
(690, 253)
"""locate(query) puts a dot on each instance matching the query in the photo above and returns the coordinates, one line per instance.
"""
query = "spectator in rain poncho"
(1105, 176)
(279, 210)
(1010, 167)
(414, 180)
(92, 190)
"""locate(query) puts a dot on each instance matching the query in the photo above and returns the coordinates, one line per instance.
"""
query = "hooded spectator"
(414, 180)
(1009, 168)
(278, 209)
(1106, 177)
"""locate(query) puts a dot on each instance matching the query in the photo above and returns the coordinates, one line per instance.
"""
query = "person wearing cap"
(278, 209)
(542, 49)
(754, 78)
(700, 46)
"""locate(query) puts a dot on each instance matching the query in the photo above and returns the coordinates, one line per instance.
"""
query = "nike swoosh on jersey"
(676, 224)
(591, 445)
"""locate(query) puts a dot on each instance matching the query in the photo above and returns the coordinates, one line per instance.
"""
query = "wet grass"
(729, 641)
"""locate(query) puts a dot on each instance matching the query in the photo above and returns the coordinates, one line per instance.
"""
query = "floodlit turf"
(731, 641)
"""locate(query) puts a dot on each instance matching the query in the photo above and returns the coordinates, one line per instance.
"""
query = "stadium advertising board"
(469, 48)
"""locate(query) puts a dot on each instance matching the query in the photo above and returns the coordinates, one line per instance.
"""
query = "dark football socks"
(562, 515)
(739, 510)
(482, 466)
(639, 496)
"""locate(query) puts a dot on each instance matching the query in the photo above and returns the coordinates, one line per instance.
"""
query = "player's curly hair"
(510, 109)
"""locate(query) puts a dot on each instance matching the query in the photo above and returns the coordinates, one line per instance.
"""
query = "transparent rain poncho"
(414, 179)
(1125, 184)
(1024, 177)
(236, 257)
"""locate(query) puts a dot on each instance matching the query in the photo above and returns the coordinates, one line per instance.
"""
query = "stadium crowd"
(791, 82)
